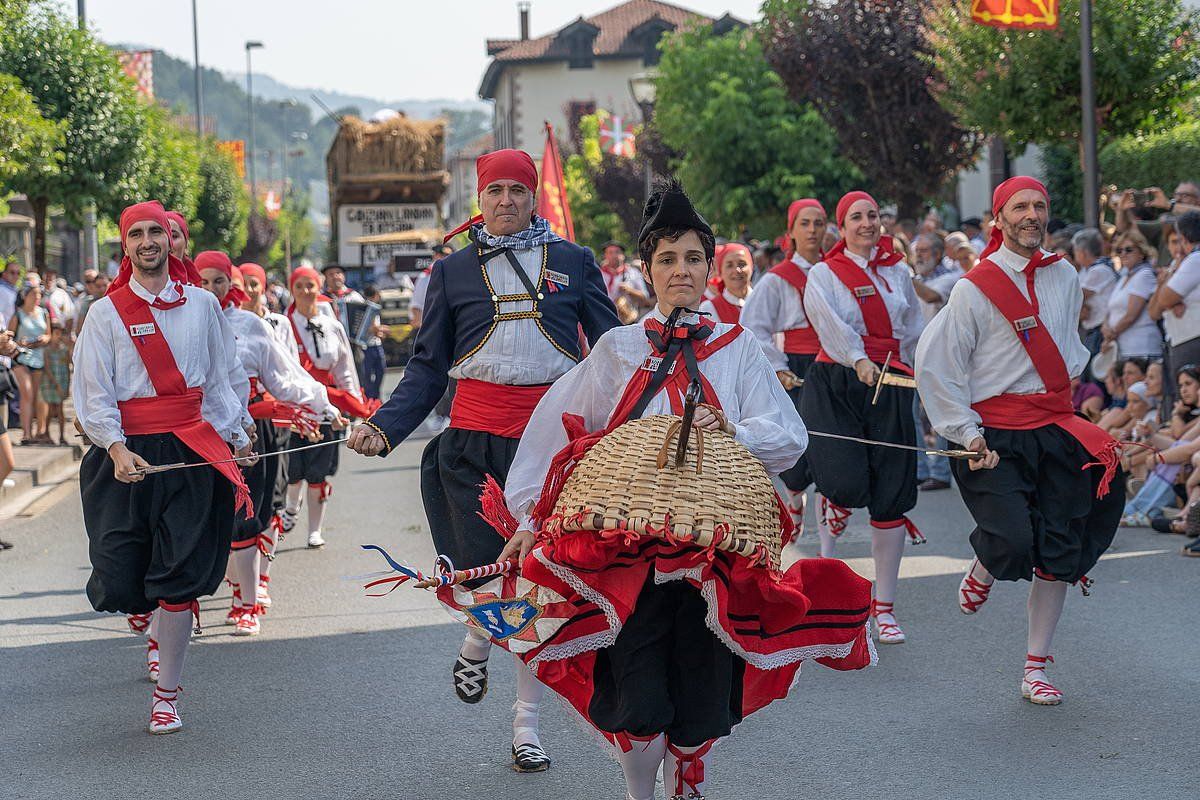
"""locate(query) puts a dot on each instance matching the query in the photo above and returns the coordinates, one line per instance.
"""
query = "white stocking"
(293, 496)
(174, 631)
(530, 692)
(152, 630)
(476, 646)
(685, 769)
(887, 548)
(797, 502)
(640, 766)
(1046, 599)
(828, 542)
(316, 508)
(245, 568)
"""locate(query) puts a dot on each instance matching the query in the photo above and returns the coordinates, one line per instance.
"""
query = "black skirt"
(881, 479)
(315, 465)
(262, 479)
(453, 468)
(799, 477)
(667, 672)
(164, 538)
(1038, 508)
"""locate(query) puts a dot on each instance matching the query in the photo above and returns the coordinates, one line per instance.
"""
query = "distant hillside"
(267, 87)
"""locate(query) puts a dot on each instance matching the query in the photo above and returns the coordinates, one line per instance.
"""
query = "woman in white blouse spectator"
(1128, 322)
(1177, 301)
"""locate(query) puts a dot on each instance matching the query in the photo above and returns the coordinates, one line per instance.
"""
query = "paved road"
(344, 696)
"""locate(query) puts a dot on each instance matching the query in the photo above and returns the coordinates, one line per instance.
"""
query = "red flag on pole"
(1016, 13)
(552, 194)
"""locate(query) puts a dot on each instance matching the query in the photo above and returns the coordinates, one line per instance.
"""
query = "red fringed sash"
(175, 408)
(1052, 407)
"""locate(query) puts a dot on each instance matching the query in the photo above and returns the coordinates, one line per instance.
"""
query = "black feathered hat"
(668, 207)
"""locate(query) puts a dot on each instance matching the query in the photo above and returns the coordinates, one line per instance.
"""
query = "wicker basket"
(628, 480)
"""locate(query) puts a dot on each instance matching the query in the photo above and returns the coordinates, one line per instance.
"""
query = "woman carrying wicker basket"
(861, 301)
(651, 595)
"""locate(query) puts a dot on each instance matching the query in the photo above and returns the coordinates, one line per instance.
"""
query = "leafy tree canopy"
(746, 149)
(863, 64)
(1025, 85)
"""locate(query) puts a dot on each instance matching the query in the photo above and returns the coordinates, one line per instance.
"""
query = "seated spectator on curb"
(1087, 398)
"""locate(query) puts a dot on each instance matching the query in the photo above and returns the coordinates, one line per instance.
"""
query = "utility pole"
(90, 252)
(1091, 170)
(81, 9)
(196, 59)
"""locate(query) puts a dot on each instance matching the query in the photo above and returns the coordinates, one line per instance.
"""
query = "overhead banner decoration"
(139, 66)
(552, 194)
(1035, 14)
(616, 135)
(235, 149)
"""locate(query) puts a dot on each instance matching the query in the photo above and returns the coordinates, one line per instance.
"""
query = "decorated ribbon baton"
(154, 469)
(444, 573)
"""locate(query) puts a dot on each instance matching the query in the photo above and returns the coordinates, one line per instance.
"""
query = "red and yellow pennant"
(552, 194)
(1036, 14)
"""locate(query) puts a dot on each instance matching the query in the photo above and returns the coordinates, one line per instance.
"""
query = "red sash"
(494, 408)
(880, 340)
(1052, 407)
(799, 341)
(176, 407)
(726, 311)
(344, 400)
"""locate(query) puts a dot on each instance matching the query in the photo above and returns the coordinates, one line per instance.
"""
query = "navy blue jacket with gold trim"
(459, 313)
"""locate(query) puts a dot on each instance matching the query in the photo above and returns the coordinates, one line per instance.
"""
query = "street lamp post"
(644, 90)
(250, 106)
(297, 136)
(1091, 178)
(196, 59)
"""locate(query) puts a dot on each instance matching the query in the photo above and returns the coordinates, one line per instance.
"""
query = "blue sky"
(389, 49)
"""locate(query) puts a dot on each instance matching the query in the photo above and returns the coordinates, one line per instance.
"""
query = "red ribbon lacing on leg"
(973, 593)
(914, 534)
(689, 768)
(326, 489)
(169, 697)
(1084, 583)
(266, 545)
(835, 516)
(138, 623)
(626, 740)
(885, 628)
(277, 526)
(1039, 687)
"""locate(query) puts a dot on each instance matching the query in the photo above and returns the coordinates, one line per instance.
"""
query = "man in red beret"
(994, 369)
(502, 317)
(152, 387)
(777, 307)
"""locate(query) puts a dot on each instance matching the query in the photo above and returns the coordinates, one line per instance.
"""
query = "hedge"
(1161, 159)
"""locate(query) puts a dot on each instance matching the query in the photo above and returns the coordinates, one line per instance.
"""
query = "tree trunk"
(40, 206)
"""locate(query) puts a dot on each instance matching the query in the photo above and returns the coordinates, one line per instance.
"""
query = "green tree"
(223, 205)
(75, 80)
(30, 145)
(169, 170)
(747, 149)
(1025, 85)
(292, 221)
(596, 220)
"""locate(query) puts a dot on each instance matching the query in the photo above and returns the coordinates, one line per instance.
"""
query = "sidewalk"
(42, 473)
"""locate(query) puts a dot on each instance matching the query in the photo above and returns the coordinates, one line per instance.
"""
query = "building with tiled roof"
(583, 66)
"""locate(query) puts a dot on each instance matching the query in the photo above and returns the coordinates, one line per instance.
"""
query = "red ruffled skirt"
(577, 590)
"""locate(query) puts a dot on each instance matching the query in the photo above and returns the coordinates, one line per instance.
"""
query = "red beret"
(1006, 190)
(214, 259)
(252, 270)
(849, 199)
(304, 272)
(506, 165)
(151, 211)
(797, 205)
(181, 222)
(734, 247)
(236, 277)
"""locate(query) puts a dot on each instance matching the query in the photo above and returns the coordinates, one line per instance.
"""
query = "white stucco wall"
(544, 91)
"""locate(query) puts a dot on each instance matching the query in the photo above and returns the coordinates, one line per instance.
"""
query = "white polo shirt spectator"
(1143, 337)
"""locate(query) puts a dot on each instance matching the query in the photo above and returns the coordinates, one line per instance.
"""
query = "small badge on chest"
(864, 291)
(652, 363)
(1025, 324)
(144, 329)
